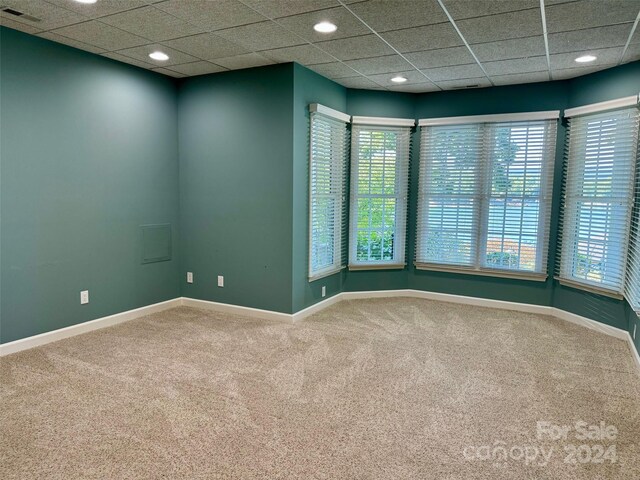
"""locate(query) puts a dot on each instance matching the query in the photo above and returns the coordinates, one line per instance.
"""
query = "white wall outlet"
(324, 291)
(84, 297)
(220, 281)
(189, 277)
(635, 327)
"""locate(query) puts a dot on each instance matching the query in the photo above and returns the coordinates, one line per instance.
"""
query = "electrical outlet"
(324, 291)
(220, 281)
(84, 297)
(635, 327)
(189, 277)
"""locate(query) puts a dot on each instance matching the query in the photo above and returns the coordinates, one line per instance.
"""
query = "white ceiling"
(435, 44)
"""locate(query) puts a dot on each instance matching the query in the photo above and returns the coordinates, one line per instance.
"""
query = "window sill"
(326, 273)
(388, 266)
(516, 275)
(589, 288)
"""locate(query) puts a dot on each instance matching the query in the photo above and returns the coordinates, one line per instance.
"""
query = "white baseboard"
(44, 338)
(592, 324)
(73, 330)
(236, 309)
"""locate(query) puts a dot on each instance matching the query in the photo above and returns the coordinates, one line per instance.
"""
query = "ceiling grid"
(434, 44)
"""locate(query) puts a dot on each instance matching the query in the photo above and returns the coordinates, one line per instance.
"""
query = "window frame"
(338, 183)
(626, 258)
(401, 189)
(483, 195)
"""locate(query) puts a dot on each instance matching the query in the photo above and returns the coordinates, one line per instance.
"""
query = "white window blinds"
(327, 190)
(379, 189)
(484, 200)
(598, 199)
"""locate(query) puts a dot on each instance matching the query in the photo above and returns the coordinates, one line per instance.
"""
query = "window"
(379, 188)
(484, 201)
(327, 189)
(598, 199)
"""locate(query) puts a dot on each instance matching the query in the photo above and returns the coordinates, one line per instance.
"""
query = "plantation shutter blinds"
(449, 195)
(327, 190)
(521, 159)
(379, 189)
(598, 200)
(484, 201)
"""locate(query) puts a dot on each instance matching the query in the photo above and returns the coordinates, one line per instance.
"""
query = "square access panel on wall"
(156, 243)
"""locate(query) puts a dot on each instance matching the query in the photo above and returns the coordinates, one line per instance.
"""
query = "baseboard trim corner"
(236, 309)
(73, 330)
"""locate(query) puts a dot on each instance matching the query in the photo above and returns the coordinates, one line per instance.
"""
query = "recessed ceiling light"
(586, 58)
(325, 27)
(86, 1)
(161, 56)
(398, 79)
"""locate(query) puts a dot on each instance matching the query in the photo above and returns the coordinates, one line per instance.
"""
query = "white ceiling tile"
(357, 82)
(523, 23)
(206, 46)
(284, 8)
(348, 25)
(70, 41)
(430, 37)
(356, 47)
(248, 60)
(516, 78)
(100, 8)
(261, 36)
(590, 13)
(197, 68)
(517, 65)
(131, 61)
(605, 56)
(461, 9)
(142, 53)
(383, 16)
(374, 65)
(455, 72)
(23, 27)
(50, 16)
(212, 15)
(334, 70)
(589, 39)
(632, 54)
(566, 73)
(101, 35)
(151, 23)
(303, 54)
(166, 71)
(412, 76)
(441, 57)
(513, 48)
(477, 82)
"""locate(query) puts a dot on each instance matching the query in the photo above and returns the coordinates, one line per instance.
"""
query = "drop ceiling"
(435, 44)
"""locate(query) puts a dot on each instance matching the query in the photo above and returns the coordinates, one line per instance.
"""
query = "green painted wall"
(236, 186)
(509, 99)
(308, 87)
(88, 153)
(598, 87)
(237, 196)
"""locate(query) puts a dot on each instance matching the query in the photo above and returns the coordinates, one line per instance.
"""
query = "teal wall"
(94, 155)
(309, 87)
(88, 153)
(508, 99)
(606, 85)
(236, 186)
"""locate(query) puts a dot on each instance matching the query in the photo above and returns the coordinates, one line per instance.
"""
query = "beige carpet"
(368, 389)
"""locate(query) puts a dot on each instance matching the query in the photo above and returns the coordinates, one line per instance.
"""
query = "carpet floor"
(367, 389)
